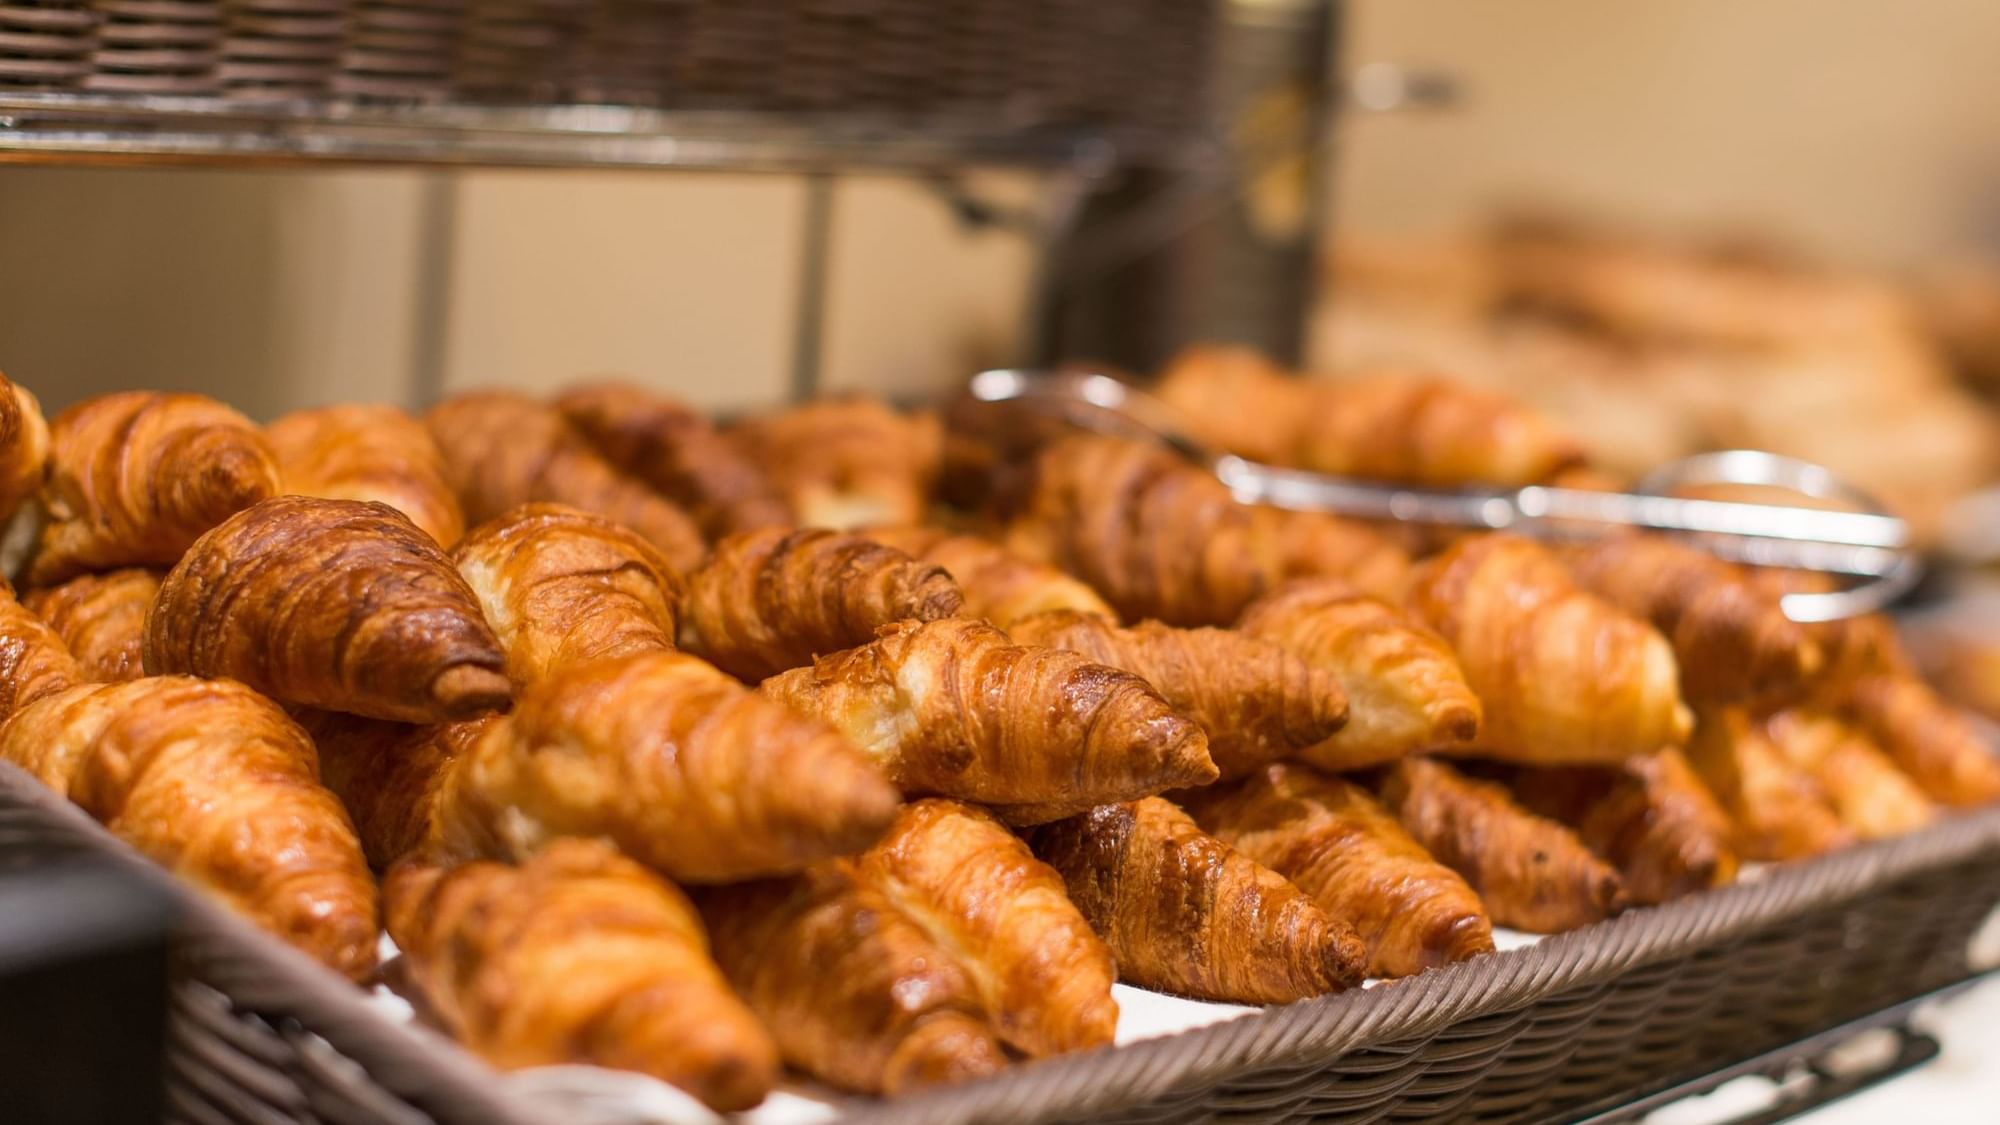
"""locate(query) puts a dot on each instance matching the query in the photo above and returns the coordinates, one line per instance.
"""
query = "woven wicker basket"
(1576, 1023)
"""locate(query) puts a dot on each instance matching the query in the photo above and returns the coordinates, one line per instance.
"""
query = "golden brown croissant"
(390, 775)
(954, 708)
(1927, 737)
(561, 587)
(503, 449)
(848, 463)
(1869, 794)
(211, 781)
(368, 451)
(1238, 399)
(1317, 545)
(24, 446)
(136, 477)
(1347, 852)
(668, 445)
(1532, 874)
(1852, 647)
(1185, 913)
(997, 584)
(1651, 816)
(329, 603)
(34, 661)
(102, 618)
(685, 769)
(1731, 638)
(578, 955)
(1255, 701)
(979, 894)
(1563, 675)
(1405, 691)
(771, 600)
(852, 990)
(1780, 812)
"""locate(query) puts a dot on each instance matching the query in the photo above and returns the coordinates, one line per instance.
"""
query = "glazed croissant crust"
(852, 990)
(329, 603)
(24, 446)
(34, 662)
(1185, 913)
(136, 477)
(997, 584)
(1355, 860)
(368, 451)
(848, 463)
(1255, 701)
(211, 781)
(774, 599)
(578, 955)
(978, 893)
(954, 708)
(562, 587)
(102, 618)
(685, 769)
(391, 776)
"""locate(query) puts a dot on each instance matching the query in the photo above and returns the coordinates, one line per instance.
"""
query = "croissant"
(503, 449)
(1185, 913)
(1731, 639)
(136, 477)
(1780, 812)
(211, 781)
(1927, 738)
(852, 990)
(368, 451)
(390, 776)
(997, 584)
(1238, 399)
(1349, 853)
(848, 463)
(1315, 544)
(672, 448)
(1532, 874)
(24, 446)
(954, 708)
(685, 769)
(1852, 647)
(978, 893)
(102, 620)
(1563, 675)
(329, 603)
(1405, 691)
(771, 600)
(565, 587)
(578, 955)
(1651, 816)
(1868, 793)
(1255, 701)
(34, 661)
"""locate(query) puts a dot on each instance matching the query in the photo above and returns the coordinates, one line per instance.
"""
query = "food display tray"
(1573, 1025)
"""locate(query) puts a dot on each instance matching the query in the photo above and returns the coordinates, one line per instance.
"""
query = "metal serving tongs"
(1870, 544)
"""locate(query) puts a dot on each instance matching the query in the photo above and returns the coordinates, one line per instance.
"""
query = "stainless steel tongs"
(1869, 544)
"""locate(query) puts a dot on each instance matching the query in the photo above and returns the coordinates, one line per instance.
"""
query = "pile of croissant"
(706, 752)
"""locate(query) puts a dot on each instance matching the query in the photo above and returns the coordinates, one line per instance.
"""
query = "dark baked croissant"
(211, 781)
(852, 990)
(1255, 701)
(329, 603)
(504, 449)
(848, 463)
(668, 445)
(102, 618)
(1405, 691)
(1779, 810)
(976, 891)
(1185, 913)
(1868, 793)
(1563, 675)
(34, 661)
(771, 600)
(136, 477)
(997, 584)
(1532, 874)
(391, 776)
(1350, 855)
(685, 769)
(24, 446)
(1927, 737)
(578, 955)
(561, 587)
(368, 451)
(953, 707)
